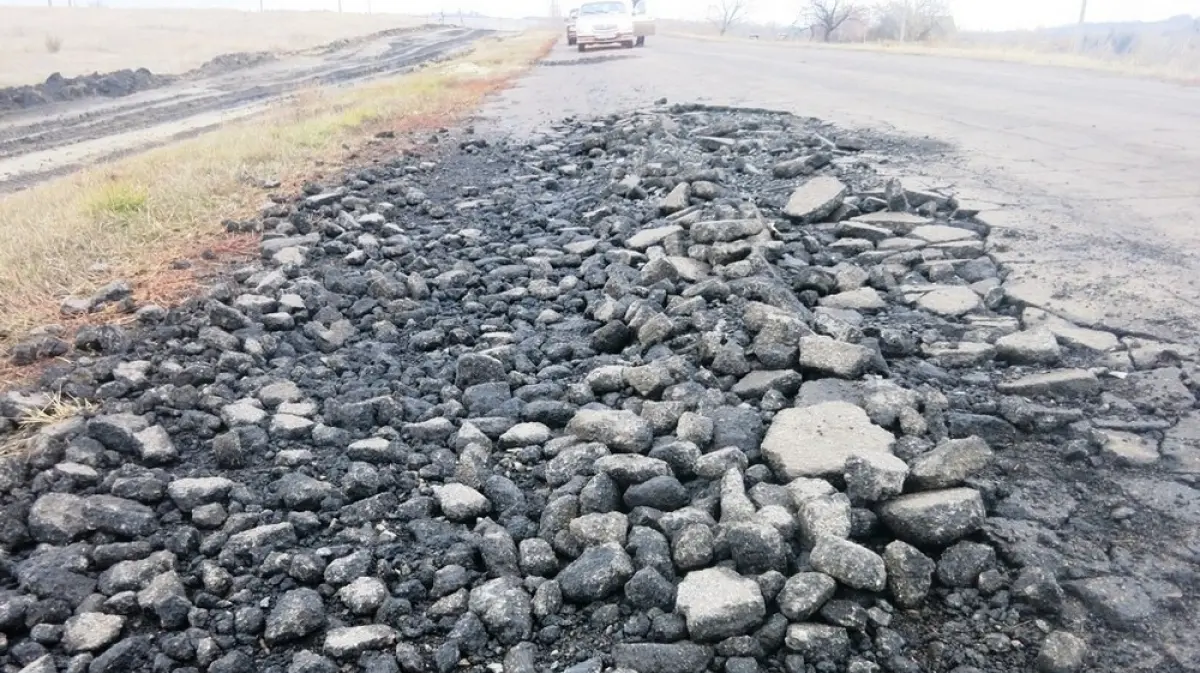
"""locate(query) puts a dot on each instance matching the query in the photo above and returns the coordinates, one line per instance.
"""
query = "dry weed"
(59, 407)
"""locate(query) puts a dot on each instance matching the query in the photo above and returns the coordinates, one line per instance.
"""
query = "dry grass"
(58, 408)
(90, 39)
(132, 218)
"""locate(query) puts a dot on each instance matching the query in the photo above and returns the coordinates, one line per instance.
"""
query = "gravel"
(685, 389)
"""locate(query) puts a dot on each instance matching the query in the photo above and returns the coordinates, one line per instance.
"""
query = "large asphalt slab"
(1090, 178)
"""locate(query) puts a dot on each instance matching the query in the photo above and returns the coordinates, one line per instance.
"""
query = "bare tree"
(727, 13)
(906, 20)
(829, 15)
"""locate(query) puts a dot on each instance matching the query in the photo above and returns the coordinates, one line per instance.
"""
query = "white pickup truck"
(613, 22)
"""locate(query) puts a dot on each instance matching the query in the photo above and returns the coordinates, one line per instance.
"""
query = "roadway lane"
(1091, 178)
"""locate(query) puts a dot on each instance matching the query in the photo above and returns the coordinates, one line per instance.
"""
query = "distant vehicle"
(612, 22)
(572, 18)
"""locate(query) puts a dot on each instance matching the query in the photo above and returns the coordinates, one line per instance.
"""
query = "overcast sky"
(970, 14)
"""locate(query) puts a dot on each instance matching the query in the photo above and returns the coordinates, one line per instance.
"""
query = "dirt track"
(53, 139)
(1087, 176)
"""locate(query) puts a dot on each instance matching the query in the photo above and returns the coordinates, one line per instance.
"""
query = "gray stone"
(1061, 652)
(718, 603)
(676, 200)
(725, 230)
(899, 223)
(350, 641)
(873, 477)
(832, 357)
(243, 412)
(598, 573)
(57, 518)
(740, 427)
(622, 431)
(653, 236)
(266, 536)
(309, 662)
(950, 463)
(504, 608)
(849, 563)
(364, 595)
(819, 515)
(940, 233)
(537, 558)
(274, 394)
(524, 434)
(1120, 601)
(935, 518)
(295, 615)
(154, 445)
(190, 493)
(1181, 445)
(693, 547)
(861, 299)
(596, 529)
(1060, 383)
(950, 301)
(1128, 448)
(649, 589)
(628, 469)
(119, 516)
(804, 594)
(662, 658)
(816, 441)
(962, 564)
(475, 368)
(118, 432)
(818, 642)
(299, 491)
(960, 354)
(695, 428)
(816, 199)
(755, 547)
(910, 573)
(757, 383)
(1037, 346)
(461, 503)
(91, 631)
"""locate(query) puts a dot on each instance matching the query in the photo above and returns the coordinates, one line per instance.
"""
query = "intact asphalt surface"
(1089, 178)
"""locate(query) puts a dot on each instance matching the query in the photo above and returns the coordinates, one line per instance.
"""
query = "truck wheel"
(570, 41)
(582, 48)
(628, 45)
(641, 41)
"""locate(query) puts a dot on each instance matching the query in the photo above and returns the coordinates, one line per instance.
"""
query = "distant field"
(1167, 50)
(35, 42)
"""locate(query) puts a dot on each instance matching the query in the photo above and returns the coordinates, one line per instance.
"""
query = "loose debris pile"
(58, 88)
(687, 390)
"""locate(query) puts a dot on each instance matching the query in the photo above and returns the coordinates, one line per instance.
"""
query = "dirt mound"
(231, 62)
(58, 88)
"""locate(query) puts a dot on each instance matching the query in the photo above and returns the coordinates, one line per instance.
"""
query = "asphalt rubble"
(686, 389)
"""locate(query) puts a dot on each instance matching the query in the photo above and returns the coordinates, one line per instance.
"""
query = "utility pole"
(1083, 13)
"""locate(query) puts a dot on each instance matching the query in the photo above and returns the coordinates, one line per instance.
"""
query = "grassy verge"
(1183, 69)
(134, 218)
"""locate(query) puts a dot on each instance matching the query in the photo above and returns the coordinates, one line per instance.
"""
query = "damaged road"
(51, 139)
(677, 390)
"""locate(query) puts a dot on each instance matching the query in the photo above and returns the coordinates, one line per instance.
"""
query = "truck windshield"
(603, 8)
